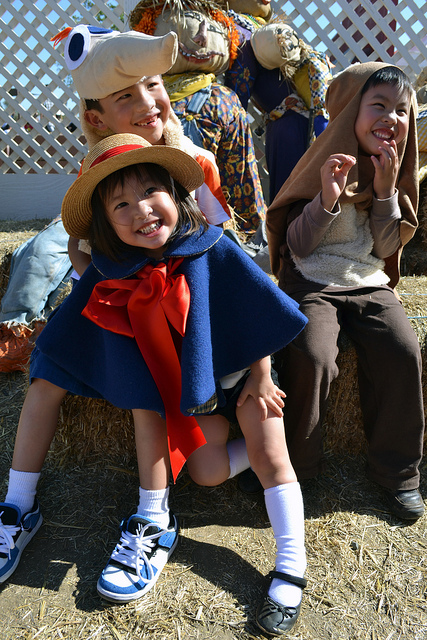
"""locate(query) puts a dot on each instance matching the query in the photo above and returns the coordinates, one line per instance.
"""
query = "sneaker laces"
(132, 550)
(7, 533)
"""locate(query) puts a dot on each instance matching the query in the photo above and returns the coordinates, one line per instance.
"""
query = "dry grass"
(366, 570)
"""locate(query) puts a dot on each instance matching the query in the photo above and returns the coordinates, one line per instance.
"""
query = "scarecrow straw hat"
(114, 153)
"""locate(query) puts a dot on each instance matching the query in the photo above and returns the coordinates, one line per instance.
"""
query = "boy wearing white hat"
(108, 68)
(120, 102)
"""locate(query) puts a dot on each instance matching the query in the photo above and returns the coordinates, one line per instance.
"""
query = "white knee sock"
(286, 512)
(155, 506)
(22, 489)
(238, 456)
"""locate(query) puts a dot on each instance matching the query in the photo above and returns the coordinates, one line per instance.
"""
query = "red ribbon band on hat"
(142, 308)
(115, 151)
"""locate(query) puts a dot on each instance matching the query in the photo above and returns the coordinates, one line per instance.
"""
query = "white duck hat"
(102, 61)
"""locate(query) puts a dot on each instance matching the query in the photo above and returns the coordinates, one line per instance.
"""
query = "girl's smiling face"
(383, 116)
(143, 214)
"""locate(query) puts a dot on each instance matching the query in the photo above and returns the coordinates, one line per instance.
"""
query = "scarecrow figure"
(421, 89)
(285, 78)
(211, 113)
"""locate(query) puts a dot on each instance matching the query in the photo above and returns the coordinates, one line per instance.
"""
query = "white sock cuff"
(154, 499)
(22, 489)
(24, 479)
(238, 456)
(290, 488)
(285, 508)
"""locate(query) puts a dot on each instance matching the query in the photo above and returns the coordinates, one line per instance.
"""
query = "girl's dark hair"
(103, 237)
(389, 75)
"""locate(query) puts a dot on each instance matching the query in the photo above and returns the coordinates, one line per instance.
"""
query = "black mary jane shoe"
(276, 619)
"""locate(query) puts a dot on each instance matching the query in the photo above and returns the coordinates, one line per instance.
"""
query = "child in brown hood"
(336, 231)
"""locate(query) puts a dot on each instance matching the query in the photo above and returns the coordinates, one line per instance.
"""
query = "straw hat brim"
(76, 207)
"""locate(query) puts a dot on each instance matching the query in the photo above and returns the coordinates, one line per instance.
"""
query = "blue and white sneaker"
(16, 532)
(138, 559)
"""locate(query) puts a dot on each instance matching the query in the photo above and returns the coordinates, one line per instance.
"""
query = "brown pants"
(389, 372)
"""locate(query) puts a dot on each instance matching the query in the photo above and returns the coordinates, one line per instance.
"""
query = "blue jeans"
(39, 270)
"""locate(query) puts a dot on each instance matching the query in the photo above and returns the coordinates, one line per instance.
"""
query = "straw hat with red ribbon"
(114, 153)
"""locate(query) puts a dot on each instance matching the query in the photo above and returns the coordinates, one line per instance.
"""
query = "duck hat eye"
(78, 44)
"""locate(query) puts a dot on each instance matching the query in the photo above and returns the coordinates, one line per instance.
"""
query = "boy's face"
(142, 109)
(383, 116)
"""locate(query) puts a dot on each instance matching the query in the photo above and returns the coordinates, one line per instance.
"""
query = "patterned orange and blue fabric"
(223, 127)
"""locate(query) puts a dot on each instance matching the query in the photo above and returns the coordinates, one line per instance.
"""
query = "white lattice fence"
(39, 108)
(356, 30)
(349, 30)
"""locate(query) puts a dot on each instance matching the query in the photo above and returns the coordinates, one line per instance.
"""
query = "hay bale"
(93, 430)
(343, 422)
(90, 429)
(12, 234)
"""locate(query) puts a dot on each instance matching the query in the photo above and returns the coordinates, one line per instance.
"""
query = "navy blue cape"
(237, 316)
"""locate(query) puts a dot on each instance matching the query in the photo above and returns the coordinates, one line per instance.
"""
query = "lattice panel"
(355, 30)
(361, 30)
(39, 109)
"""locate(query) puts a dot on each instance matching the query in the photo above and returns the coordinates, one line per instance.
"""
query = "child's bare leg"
(36, 428)
(151, 449)
(266, 445)
(37, 425)
(269, 459)
(20, 516)
(209, 465)
(153, 466)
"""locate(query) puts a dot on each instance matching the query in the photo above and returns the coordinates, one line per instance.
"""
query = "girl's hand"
(334, 178)
(265, 393)
(386, 170)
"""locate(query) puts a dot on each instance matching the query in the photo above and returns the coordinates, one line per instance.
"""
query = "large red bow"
(142, 308)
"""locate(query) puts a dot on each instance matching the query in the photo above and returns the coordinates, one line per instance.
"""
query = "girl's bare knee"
(208, 470)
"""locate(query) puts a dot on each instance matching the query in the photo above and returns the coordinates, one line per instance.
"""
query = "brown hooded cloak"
(342, 101)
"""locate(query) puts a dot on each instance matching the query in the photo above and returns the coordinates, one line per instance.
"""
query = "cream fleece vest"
(344, 257)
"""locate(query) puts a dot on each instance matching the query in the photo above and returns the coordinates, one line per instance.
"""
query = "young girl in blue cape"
(149, 327)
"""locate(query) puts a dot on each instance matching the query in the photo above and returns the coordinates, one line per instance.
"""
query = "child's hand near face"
(334, 178)
(386, 170)
(261, 387)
